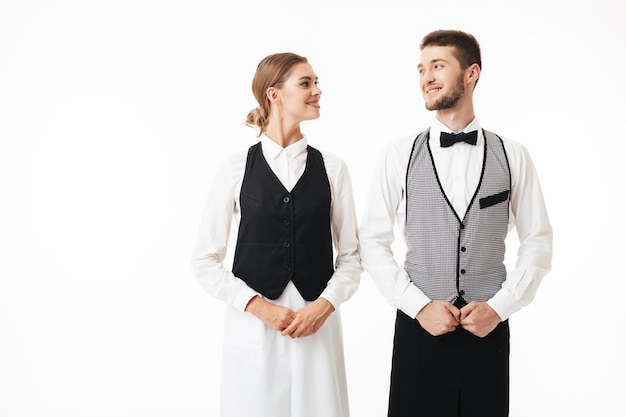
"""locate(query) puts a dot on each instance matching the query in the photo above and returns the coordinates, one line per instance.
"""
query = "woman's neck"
(283, 134)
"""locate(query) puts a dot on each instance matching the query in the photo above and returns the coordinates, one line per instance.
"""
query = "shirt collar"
(272, 150)
(437, 127)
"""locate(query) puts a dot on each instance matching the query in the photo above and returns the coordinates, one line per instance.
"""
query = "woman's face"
(299, 96)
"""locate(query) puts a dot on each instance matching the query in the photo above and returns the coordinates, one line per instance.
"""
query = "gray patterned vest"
(450, 258)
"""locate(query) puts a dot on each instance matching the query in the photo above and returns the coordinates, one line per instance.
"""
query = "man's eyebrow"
(432, 61)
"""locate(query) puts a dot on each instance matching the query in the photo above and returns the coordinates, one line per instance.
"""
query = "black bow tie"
(449, 139)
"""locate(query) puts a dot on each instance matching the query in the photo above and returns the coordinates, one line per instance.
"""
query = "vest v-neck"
(275, 177)
(441, 188)
(284, 236)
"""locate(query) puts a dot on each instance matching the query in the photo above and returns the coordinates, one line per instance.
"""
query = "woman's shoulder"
(332, 161)
(232, 165)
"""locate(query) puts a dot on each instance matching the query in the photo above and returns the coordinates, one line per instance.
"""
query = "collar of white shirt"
(272, 150)
(437, 127)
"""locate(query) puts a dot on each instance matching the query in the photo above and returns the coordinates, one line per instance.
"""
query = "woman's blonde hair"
(271, 72)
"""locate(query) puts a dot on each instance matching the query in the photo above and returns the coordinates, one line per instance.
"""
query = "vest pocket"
(493, 199)
(252, 198)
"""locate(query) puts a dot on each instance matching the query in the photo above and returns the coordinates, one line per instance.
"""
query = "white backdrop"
(114, 113)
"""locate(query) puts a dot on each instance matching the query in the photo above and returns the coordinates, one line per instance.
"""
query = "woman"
(283, 353)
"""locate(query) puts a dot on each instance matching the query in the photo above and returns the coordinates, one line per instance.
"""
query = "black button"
(287, 222)
(287, 244)
(286, 199)
(462, 226)
(462, 271)
(288, 267)
(463, 249)
(461, 293)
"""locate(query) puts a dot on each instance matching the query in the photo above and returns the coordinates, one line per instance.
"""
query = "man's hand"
(439, 317)
(479, 318)
(309, 319)
(275, 316)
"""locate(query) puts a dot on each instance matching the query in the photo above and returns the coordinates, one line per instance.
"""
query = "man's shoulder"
(509, 144)
(516, 152)
(395, 153)
(401, 144)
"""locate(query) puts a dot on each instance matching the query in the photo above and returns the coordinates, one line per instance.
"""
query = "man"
(455, 198)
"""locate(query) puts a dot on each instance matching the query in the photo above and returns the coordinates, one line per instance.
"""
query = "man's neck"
(455, 121)
(457, 117)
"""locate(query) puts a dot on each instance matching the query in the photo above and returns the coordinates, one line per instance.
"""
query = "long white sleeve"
(530, 218)
(384, 206)
(215, 226)
(346, 278)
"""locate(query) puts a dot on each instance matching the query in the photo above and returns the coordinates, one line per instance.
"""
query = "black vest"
(284, 236)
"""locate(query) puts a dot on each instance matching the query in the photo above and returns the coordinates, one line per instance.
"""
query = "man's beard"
(451, 99)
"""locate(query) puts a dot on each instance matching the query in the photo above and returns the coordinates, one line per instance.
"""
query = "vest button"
(463, 249)
(287, 244)
(286, 199)
(286, 222)
(462, 271)
(288, 267)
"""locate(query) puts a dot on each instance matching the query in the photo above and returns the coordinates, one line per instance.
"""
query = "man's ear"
(272, 95)
(472, 74)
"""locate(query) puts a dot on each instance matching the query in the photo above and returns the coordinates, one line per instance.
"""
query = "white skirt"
(265, 374)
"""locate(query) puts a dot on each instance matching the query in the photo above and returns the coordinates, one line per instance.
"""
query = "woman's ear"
(272, 95)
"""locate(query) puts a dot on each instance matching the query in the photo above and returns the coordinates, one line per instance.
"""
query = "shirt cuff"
(243, 297)
(412, 301)
(503, 304)
(331, 296)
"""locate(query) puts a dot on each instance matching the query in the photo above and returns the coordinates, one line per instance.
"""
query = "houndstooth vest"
(449, 257)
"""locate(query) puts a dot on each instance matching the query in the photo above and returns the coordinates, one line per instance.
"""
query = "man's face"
(441, 78)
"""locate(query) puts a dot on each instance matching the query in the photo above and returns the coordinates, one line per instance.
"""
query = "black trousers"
(453, 375)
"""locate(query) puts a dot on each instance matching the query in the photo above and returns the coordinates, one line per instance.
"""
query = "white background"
(113, 115)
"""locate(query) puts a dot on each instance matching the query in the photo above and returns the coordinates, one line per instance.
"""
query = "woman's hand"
(277, 317)
(309, 319)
